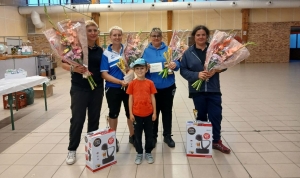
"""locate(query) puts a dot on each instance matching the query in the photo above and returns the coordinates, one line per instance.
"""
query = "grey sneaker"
(149, 158)
(138, 159)
(71, 158)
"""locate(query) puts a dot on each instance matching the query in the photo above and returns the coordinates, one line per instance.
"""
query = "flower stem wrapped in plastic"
(175, 51)
(223, 52)
(69, 41)
(168, 57)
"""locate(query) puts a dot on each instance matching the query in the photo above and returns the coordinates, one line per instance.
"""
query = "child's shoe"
(149, 158)
(138, 159)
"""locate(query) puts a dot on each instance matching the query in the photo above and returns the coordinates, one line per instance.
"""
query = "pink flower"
(71, 39)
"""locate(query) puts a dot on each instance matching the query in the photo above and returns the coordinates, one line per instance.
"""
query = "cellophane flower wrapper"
(177, 44)
(224, 61)
(69, 41)
(75, 31)
(175, 50)
(223, 52)
(134, 49)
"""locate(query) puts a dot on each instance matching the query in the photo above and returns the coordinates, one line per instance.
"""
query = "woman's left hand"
(212, 72)
(172, 65)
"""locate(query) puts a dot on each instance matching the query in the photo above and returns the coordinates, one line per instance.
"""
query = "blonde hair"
(115, 28)
(90, 23)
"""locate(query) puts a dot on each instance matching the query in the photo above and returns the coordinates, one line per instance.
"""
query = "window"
(298, 40)
(295, 40)
(47, 2)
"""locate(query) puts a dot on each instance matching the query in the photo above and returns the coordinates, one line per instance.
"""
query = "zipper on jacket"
(198, 58)
(205, 88)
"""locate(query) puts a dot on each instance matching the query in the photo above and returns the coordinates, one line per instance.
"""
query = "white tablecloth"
(13, 85)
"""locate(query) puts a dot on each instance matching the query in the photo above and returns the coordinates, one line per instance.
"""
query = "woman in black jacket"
(83, 98)
(207, 100)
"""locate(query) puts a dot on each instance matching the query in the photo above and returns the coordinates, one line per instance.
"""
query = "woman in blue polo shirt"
(115, 94)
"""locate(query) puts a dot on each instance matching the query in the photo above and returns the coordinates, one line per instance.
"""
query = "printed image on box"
(199, 139)
(100, 149)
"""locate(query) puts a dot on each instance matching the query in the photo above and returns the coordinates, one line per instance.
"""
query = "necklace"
(91, 47)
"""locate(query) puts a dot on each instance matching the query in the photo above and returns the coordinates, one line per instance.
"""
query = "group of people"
(144, 98)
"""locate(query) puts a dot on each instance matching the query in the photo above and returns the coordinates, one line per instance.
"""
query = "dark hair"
(200, 27)
(139, 65)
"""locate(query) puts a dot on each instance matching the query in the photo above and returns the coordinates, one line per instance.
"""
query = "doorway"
(295, 43)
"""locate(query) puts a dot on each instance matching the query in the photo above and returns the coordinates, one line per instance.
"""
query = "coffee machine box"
(199, 139)
(100, 149)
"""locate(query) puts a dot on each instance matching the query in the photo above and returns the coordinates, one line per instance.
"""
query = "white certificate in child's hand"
(129, 77)
(155, 67)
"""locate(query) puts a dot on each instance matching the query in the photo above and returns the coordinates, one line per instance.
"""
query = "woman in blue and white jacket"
(165, 87)
(207, 100)
(113, 76)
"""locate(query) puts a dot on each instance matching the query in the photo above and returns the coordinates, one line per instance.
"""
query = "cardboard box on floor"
(39, 92)
(100, 149)
(199, 139)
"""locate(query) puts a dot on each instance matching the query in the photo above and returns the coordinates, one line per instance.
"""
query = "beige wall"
(274, 15)
(12, 23)
(261, 27)
(182, 19)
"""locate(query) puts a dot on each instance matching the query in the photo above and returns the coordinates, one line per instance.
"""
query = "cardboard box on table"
(100, 149)
(199, 139)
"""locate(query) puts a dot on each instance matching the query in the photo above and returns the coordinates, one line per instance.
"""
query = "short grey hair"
(156, 30)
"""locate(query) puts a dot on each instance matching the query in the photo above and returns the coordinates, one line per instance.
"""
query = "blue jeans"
(209, 107)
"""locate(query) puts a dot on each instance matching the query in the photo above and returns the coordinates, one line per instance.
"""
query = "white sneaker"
(138, 159)
(149, 158)
(71, 158)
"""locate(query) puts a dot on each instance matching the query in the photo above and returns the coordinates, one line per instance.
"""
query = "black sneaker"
(154, 141)
(169, 141)
(132, 140)
(117, 144)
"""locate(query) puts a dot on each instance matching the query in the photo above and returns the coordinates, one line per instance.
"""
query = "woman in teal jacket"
(165, 87)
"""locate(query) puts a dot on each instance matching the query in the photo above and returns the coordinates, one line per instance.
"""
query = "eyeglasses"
(155, 36)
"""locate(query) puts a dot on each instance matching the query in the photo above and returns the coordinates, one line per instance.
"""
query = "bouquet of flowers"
(175, 51)
(223, 52)
(69, 41)
(134, 49)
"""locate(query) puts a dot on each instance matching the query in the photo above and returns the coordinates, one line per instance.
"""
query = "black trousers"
(143, 124)
(82, 101)
(209, 106)
(164, 103)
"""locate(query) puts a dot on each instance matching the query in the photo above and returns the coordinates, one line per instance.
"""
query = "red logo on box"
(111, 140)
(206, 136)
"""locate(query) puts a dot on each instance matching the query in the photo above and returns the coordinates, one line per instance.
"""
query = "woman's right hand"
(123, 83)
(79, 69)
(203, 75)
